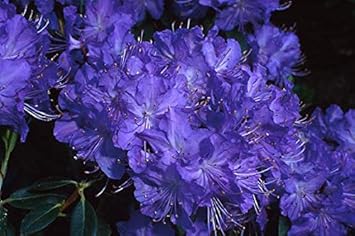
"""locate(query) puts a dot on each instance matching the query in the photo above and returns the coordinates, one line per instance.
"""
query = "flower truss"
(208, 132)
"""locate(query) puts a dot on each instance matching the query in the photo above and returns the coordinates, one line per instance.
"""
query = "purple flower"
(200, 129)
(137, 8)
(285, 108)
(99, 20)
(321, 202)
(163, 194)
(210, 168)
(86, 124)
(22, 44)
(45, 77)
(341, 126)
(199, 227)
(348, 193)
(322, 222)
(189, 9)
(106, 32)
(180, 58)
(166, 144)
(14, 76)
(223, 56)
(7, 11)
(45, 7)
(19, 39)
(331, 140)
(139, 224)
(279, 51)
(301, 195)
(146, 104)
(238, 13)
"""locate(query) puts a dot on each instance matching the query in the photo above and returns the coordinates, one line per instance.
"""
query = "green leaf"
(3, 221)
(10, 231)
(25, 199)
(238, 36)
(284, 226)
(5, 228)
(180, 231)
(40, 218)
(51, 184)
(84, 220)
(103, 228)
(305, 93)
(10, 140)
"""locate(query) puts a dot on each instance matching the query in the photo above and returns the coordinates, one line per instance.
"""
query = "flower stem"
(10, 139)
(71, 199)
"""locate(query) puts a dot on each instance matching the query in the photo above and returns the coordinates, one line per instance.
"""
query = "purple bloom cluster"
(279, 51)
(192, 124)
(319, 192)
(26, 74)
(208, 134)
(239, 13)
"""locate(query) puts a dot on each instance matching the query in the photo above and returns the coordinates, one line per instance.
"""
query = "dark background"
(326, 29)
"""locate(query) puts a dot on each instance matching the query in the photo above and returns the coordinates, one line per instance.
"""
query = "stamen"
(188, 24)
(63, 80)
(295, 155)
(165, 68)
(39, 22)
(39, 114)
(264, 190)
(31, 15)
(124, 185)
(173, 26)
(245, 56)
(253, 173)
(304, 120)
(103, 189)
(24, 10)
(142, 35)
(250, 131)
(41, 29)
(284, 6)
(349, 194)
(54, 57)
(256, 205)
(89, 172)
(215, 216)
(181, 25)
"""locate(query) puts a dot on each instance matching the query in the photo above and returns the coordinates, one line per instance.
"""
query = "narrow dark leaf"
(40, 218)
(103, 228)
(10, 230)
(6, 229)
(10, 139)
(3, 220)
(84, 220)
(28, 200)
(51, 184)
(283, 226)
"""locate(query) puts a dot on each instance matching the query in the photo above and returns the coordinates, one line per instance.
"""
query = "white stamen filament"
(103, 189)
(124, 185)
(39, 114)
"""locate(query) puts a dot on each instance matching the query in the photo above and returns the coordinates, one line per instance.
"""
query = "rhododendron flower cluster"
(208, 131)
